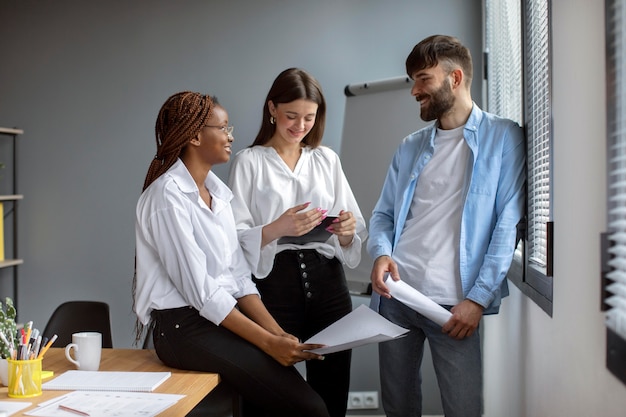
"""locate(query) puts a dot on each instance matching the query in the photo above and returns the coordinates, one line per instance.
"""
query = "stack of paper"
(106, 381)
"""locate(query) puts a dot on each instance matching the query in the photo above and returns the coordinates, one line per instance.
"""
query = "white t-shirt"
(187, 253)
(427, 253)
(265, 187)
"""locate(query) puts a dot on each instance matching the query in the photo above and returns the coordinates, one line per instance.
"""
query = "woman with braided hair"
(192, 282)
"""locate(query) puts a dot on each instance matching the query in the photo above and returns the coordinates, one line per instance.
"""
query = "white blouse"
(265, 187)
(187, 254)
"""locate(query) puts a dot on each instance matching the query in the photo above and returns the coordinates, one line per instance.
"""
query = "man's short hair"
(440, 49)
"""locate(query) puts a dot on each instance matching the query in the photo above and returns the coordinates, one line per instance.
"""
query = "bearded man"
(445, 224)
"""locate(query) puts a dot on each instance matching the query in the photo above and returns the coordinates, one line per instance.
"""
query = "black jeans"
(185, 340)
(306, 292)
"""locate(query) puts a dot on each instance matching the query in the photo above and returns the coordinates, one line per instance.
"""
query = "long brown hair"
(179, 121)
(293, 84)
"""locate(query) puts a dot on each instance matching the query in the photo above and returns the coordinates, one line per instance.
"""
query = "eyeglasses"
(226, 129)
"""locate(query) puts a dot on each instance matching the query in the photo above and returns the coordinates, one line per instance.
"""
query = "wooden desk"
(194, 385)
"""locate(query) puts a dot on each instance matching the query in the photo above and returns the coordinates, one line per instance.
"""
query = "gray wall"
(85, 81)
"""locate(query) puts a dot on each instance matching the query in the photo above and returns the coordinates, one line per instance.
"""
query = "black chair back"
(79, 316)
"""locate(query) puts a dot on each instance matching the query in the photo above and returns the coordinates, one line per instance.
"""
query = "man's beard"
(439, 103)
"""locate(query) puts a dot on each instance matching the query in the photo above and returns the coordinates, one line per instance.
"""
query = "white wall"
(537, 366)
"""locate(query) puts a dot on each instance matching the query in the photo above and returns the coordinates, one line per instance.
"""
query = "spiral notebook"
(106, 381)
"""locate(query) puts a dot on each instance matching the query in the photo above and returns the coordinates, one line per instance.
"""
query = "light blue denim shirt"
(494, 198)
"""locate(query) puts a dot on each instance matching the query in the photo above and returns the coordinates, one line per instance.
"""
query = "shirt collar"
(185, 182)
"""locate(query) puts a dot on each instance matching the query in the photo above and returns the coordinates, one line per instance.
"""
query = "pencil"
(47, 346)
(72, 410)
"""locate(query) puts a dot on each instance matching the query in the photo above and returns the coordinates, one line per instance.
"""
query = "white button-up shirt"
(187, 253)
(265, 188)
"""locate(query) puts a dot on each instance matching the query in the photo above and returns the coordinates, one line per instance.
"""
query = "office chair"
(79, 316)
(222, 401)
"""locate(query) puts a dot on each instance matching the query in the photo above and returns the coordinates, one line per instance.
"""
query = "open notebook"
(106, 381)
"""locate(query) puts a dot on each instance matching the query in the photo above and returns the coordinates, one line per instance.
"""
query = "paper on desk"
(411, 297)
(107, 403)
(360, 327)
(12, 407)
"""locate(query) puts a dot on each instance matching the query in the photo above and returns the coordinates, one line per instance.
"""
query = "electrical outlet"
(360, 400)
(370, 400)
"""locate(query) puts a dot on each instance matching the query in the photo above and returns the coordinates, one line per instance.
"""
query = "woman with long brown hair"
(285, 184)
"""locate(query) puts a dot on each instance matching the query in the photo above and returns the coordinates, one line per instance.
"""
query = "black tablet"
(318, 234)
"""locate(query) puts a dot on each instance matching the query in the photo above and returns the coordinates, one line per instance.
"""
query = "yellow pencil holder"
(24, 378)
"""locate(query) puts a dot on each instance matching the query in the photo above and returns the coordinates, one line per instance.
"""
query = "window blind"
(616, 136)
(503, 33)
(538, 130)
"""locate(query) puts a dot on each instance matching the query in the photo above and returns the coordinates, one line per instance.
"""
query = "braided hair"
(180, 119)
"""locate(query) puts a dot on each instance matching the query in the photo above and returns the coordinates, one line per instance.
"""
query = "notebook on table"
(106, 381)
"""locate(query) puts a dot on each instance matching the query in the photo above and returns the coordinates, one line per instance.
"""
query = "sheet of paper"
(360, 327)
(411, 297)
(12, 407)
(105, 404)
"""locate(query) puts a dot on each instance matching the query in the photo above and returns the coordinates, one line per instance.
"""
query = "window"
(517, 38)
(614, 248)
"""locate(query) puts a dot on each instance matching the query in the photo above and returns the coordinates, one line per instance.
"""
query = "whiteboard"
(374, 125)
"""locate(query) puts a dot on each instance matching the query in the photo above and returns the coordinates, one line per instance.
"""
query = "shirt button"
(305, 275)
(301, 255)
(303, 265)
(307, 285)
(309, 295)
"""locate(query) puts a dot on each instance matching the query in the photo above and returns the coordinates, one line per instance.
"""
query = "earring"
(272, 120)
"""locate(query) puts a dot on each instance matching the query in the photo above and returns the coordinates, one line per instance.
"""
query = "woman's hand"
(293, 222)
(287, 350)
(254, 323)
(344, 226)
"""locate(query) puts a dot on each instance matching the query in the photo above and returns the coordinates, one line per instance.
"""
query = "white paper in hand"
(360, 327)
(411, 297)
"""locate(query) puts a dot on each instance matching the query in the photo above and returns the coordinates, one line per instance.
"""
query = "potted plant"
(8, 327)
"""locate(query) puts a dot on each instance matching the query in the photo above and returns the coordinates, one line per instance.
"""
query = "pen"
(72, 410)
(47, 346)
(29, 325)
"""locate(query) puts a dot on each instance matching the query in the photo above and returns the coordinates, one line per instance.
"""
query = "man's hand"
(382, 266)
(464, 321)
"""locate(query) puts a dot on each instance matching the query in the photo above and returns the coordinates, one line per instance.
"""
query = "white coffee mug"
(87, 349)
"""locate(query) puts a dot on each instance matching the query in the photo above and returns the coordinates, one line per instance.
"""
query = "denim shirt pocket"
(485, 176)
